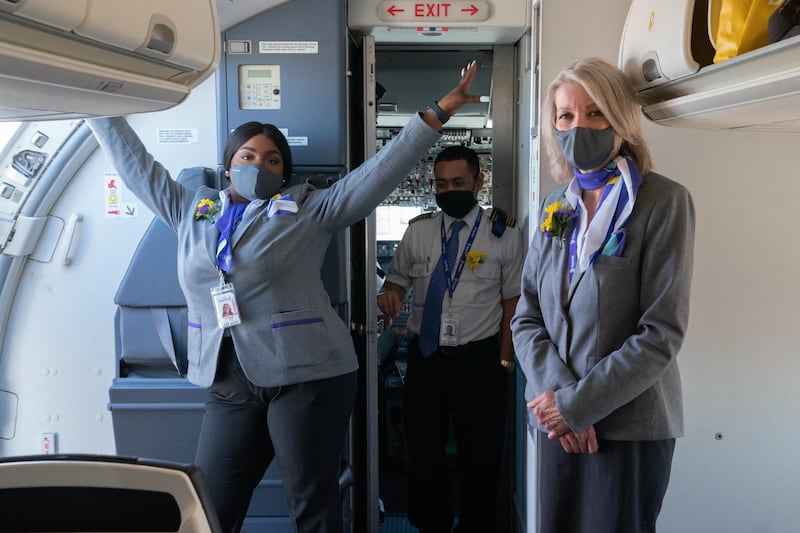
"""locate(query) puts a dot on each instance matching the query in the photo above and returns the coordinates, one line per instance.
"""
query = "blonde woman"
(603, 311)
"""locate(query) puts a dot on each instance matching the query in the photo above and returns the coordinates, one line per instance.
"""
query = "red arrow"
(394, 10)
(471, 9)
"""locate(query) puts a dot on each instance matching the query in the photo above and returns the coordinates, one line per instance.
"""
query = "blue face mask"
(255, 181)
(585, 148)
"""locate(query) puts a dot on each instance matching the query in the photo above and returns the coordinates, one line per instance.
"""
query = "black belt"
(482, 344)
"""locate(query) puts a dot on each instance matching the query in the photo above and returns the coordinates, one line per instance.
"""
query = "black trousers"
(302, 426)
(617, 490)
(467, 386)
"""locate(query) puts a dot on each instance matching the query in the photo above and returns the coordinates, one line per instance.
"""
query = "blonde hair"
(608, 87)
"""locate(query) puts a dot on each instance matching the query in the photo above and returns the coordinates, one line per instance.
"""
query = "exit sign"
(425, 12)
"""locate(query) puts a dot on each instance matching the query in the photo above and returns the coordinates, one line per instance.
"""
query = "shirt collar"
(469, 218)
(225, 199)
(573, 193)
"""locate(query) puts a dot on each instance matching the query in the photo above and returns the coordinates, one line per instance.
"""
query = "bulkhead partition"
(151, 334)
(288, 66)
(155, 411)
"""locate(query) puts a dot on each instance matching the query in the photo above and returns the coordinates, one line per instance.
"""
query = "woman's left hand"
(585, 442)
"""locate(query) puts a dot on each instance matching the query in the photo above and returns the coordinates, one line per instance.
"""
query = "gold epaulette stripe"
(508, 219)
(421, 217)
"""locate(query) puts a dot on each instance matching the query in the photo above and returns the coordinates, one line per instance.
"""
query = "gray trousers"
(301, 426)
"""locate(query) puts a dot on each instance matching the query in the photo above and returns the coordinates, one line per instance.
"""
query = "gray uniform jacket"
(607, 344)
(289, 331)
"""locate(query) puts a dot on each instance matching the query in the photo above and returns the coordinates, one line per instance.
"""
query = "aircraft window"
(391, 221)
(7, 130)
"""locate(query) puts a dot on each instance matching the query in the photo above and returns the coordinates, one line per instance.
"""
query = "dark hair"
(459, 152)
(246, 131)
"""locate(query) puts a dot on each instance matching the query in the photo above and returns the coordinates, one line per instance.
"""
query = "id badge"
(225, 306)
(448, 330)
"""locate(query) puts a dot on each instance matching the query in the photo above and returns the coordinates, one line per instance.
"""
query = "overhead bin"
(65, 14)
(453, 22)
(667, 52)
(78, 58)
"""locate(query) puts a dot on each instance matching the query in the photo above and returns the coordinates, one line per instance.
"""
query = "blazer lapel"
(557, 264)
(250, 216)
(576, 279)
(560, 265)
(209, 241)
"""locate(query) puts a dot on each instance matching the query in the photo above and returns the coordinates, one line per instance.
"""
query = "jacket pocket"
(487, 271)
(417, 272)
(281, 219)
(612, 261)
(420, 270)
(301, 338)
(194, 342)
(590, 363)
(638, 410)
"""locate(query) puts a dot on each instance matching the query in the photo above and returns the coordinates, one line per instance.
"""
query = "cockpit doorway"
(404, 80)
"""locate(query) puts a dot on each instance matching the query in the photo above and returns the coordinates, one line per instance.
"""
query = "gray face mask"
(255, 181)
(585, 148)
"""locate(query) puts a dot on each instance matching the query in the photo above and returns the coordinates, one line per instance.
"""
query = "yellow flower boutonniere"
(206, 209)
(474, 257)
(559, 215)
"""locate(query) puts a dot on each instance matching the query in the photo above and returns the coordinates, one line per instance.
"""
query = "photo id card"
(448, 330)
(225, 306)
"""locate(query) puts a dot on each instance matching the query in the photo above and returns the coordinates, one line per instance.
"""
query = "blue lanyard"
(452, 282)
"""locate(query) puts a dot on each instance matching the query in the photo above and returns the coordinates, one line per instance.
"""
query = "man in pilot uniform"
(463, 265)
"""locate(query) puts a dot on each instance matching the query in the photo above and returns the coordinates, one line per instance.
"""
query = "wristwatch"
(508, 365)
(441, 114)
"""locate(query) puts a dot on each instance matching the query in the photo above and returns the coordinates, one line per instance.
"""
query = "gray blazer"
(289, 331)
(607, 344)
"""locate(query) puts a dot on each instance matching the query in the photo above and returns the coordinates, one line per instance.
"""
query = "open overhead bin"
(76, 58)
(667, 50)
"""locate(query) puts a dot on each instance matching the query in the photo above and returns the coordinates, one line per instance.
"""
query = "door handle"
(69, 233)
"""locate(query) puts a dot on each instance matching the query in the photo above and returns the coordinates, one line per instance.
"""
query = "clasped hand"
(547, 414)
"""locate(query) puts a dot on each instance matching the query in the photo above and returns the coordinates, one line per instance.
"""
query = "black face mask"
(456, 203)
